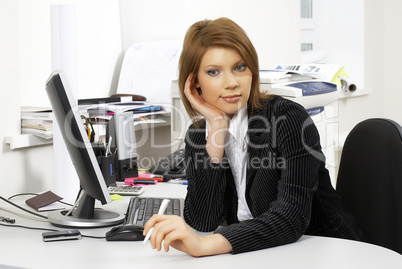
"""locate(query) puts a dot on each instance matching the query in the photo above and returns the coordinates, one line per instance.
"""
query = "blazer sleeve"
(288, 215)
(205, 201)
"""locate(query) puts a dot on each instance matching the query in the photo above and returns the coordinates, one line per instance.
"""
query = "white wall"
(10, 162)
(340, 35)
(392, 59)
(362, 36)
(382, 56)
(99, 50)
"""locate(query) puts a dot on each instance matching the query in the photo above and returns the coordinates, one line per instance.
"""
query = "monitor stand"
(85, 215)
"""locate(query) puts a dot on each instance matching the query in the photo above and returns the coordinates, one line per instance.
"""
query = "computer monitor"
(93, 185)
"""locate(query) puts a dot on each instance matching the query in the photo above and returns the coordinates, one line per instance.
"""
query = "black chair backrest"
(370, 180)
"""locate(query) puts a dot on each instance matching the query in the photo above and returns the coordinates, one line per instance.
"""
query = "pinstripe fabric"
(288, 189)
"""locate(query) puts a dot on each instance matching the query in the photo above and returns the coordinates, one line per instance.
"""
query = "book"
(37, 126)
(37, 121)
(45, 202)
(135, 107)
(115, 98)
(103, 100)
(47, 134)
(36, 113)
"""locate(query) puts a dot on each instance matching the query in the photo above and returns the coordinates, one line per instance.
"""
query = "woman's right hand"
(211, 113)
(217, 119)
(172, 231)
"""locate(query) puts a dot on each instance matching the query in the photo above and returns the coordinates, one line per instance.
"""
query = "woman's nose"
(231, 81)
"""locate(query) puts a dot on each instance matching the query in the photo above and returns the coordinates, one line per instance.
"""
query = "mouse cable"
(20, 207)
(93, 237)
(47, 229)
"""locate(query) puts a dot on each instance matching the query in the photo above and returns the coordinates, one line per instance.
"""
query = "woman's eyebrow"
(212, 65)
(240, 62)
(218, 66)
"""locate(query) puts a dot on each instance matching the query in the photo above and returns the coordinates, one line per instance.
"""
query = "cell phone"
(61, 235)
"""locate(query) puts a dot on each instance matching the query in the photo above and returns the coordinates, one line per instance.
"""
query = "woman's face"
(224, 79)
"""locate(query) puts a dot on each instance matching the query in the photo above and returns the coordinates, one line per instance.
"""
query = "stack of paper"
(37, 121)
(141, 110)
(325, 72)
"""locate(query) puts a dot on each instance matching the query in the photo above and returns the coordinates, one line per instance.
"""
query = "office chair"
(370, 180)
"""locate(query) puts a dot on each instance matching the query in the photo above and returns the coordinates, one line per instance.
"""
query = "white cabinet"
(179, 119)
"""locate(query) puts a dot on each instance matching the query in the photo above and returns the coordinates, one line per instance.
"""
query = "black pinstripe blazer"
(288, 189)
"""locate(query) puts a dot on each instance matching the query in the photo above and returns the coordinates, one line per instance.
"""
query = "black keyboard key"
(141, 209)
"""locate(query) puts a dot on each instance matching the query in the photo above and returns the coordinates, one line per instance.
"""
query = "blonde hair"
(224, 33)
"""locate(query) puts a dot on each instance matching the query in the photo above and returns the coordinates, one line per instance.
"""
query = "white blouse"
(236, 151)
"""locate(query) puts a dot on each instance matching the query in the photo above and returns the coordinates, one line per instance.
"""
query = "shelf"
(356, 93)
(26, 140)
(148, 124)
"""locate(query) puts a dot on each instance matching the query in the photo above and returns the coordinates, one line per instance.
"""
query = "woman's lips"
(231, 98)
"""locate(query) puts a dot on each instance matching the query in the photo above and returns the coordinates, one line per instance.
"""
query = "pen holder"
(108, 167)
(112, 168)
(107, 164)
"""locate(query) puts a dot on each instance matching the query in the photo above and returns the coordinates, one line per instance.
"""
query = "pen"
(152, 182)
(178, 181)
(130, 180)
(159, 179)
(162, 209)
(108, 146)
(149, 175)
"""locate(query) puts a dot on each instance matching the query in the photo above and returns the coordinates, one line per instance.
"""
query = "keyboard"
(126, 190)
(141, 209)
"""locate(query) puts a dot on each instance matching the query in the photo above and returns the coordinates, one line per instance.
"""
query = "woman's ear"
(197, 86)
(196, 83)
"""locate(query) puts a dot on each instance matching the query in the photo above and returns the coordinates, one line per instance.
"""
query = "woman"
(254, 163)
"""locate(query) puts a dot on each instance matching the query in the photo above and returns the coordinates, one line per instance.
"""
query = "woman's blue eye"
(212, 72)
(241, 67)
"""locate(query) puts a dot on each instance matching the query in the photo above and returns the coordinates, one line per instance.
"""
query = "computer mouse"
(131, 232)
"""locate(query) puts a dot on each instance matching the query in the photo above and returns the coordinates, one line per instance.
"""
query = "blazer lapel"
(258, 131)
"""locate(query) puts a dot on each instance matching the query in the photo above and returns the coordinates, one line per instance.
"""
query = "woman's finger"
(164, 225)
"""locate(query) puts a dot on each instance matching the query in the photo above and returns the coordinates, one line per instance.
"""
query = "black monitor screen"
(93, 185)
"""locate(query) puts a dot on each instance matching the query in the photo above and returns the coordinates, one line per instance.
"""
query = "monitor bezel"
(84, 213)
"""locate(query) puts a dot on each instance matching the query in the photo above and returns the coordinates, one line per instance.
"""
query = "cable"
(38, 215)
(28, 227)
(20, 194)
(7, 220)
(93, 237)
(47, 229)
(80, 194)
(30, 212)
(35, 194)
(22, 215)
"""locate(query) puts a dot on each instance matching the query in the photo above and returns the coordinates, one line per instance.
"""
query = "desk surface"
(24, 248)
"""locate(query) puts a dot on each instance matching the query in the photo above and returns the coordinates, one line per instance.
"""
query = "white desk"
(25, 248)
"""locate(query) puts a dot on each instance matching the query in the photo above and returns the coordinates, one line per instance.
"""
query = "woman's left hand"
(174, 232)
